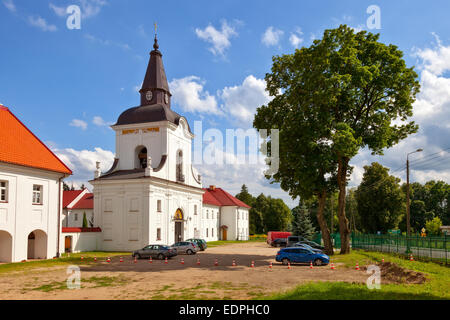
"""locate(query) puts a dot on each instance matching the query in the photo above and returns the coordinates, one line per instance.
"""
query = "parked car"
(185, 247)
(292, 240)
(155, 251)
(279, 242)
(272, 235)
(301, 255)
(200, 243)
(304, 245)
(313, 244)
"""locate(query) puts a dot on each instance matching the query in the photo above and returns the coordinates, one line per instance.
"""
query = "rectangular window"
(195, 209)
(3, 191)
(207, 214)
(158, 206)
(212, 232)
(158, 234)
(75, 217)
(207, 232)
(37, 194)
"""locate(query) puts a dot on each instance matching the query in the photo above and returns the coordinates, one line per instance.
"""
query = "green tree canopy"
(380, 200)
(301, 223)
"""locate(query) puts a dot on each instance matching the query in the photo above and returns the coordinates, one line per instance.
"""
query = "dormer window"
(179, 170)
(142, 158)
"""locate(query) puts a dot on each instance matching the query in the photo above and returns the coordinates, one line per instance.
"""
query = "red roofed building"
(224, 217)
(76, 204)
(30, 193)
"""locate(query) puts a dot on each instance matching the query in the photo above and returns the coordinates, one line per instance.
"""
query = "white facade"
(211, 223)
(29, 218)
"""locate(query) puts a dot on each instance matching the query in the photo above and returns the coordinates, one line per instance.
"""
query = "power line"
(427, 156)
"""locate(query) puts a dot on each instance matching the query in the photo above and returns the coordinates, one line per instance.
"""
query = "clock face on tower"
(166, 98)
(149, 95)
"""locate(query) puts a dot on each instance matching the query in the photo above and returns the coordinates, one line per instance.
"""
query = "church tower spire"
(155, 89)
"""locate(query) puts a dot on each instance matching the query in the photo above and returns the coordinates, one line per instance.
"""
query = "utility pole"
(408, 224)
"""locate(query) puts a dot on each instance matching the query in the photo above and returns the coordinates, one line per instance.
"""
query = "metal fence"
(427, 248)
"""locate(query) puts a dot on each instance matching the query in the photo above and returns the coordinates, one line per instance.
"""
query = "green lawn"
(438, 286)
(88, 257)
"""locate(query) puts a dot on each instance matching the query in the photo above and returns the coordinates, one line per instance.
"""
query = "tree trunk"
(344, 229)
(323, 224)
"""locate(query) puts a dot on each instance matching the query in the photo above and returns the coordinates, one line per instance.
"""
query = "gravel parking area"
(157, 280)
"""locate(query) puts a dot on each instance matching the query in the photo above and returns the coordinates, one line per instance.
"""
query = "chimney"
(212, 187)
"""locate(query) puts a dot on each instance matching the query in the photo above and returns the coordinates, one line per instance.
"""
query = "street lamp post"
(408, 224)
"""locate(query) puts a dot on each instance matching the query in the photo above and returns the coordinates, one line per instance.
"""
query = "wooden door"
(68, 244)
(224, 234)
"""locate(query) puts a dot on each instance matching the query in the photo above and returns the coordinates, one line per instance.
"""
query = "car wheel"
(138, 255)
(160, 256)
(317, 262)
(189, 251)
(285, 261)
(278, 245)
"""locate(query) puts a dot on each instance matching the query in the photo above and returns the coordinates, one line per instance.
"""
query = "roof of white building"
(219, 197)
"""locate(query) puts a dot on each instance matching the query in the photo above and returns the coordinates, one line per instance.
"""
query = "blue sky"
(67, 86)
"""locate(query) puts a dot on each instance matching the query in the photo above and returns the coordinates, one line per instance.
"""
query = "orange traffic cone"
(198, 261)
(165, 261)
(357, 266)
(234, 263)
(182, 261)
(253, 264)
(135, 260)
(411, 258)
(82, 257)
(382, 260)
(108, 260)
(270, 266)
(310, 265)
(150, 260)
(95, 259)
(289, 265)
(121, 259)
(216, 263)
(332, 266)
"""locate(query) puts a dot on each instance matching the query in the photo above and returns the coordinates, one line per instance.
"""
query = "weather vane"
(156, 27)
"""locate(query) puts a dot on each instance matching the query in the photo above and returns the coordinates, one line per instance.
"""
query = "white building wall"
(19, 217)
(81, 241)
(211, 222)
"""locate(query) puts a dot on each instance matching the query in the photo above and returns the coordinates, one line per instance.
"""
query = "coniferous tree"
(301, 223)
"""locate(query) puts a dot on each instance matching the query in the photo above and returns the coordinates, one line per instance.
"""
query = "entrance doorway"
(224, 234)
(179, 225)
(37, 245)
(5, 246)
(68, 244)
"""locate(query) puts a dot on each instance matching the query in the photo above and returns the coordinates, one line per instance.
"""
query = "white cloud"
(82, 162)
(189, 94)
(78, 123)
(59, 11)
(241, 101)
(296, 37)
(220, 39)
(9, 4)
(98, 121)
(272, 36)
(41, 23)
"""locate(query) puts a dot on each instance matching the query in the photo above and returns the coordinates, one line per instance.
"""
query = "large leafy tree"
(380, 199)
(351, 87)
(255, 216)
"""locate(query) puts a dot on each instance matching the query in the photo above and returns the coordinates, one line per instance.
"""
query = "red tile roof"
(69, 196)
(219, 197)
(75, 229)
(18, 145)
(86, 202)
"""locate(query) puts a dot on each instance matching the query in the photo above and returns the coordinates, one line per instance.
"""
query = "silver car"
(185, 247)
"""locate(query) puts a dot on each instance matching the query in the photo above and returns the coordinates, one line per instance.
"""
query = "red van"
(272, 235)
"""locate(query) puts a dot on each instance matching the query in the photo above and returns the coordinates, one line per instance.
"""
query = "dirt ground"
(157, 280)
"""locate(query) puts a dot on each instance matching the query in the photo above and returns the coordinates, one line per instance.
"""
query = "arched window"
(142, 158)
(179, 171)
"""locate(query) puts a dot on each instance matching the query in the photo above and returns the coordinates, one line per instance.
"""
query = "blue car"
(301, 255)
